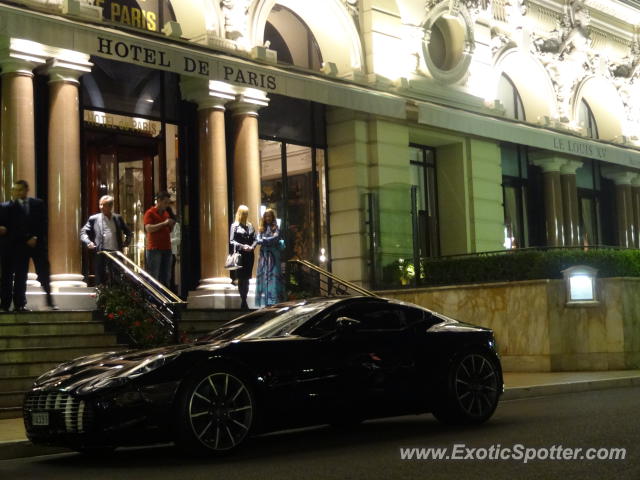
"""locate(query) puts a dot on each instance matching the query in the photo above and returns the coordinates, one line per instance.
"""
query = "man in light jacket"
(104, 231)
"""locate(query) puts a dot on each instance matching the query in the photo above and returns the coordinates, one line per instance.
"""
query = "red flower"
(120, 312)
(137, 323)
(110, 316)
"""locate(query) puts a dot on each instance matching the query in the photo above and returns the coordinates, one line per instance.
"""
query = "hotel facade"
(380, 131)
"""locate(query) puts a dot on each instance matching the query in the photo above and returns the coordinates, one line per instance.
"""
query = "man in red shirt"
(158, 225)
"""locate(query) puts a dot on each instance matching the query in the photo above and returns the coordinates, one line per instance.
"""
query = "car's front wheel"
(216, 412)
(472, 390)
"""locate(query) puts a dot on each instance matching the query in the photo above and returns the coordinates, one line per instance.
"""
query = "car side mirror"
(347, 325)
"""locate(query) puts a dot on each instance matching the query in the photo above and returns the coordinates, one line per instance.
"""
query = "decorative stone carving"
(524, 8)
(500, 39)
(566, 54)
(352, 8)
(429, 4)
(235, 19)
(575, 22)
(629, 66)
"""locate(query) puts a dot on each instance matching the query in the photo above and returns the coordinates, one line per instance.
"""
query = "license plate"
(40, 419)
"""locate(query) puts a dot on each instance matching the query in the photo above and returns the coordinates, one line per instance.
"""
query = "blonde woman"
(242, 238)
(269, 283)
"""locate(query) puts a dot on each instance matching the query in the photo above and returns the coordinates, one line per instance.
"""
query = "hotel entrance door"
(123, 167)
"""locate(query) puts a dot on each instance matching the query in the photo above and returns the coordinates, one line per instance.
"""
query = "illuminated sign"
(121, 122)
(142, 14)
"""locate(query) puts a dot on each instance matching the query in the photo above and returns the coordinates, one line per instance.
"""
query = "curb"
(516, 393)
(23, 448)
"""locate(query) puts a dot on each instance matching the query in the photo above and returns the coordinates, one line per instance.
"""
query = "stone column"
(624, 204)
(570, 207)
(554, 213)
(64, 172)
(214, 210)
(246, 154)
(17, 126)
(635, 194)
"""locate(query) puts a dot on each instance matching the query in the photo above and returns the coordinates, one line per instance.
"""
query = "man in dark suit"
(27, 239)
(104, 231)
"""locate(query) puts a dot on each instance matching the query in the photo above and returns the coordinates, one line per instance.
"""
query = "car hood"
(95, 372)
(451, 325)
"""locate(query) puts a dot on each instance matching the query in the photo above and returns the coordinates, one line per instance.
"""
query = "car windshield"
(268, 322)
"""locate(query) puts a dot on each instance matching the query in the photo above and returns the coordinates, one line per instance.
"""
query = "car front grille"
(73, 414)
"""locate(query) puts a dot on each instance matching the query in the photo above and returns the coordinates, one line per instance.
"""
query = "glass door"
(125, 172)
(135, 194)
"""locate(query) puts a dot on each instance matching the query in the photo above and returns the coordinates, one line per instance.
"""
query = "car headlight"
(126, 374)
(149, 365)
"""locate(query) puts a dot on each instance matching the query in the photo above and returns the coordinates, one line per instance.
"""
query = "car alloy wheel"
(220, 411)
(475, 385)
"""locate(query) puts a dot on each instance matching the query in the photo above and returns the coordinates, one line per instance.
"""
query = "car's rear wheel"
(216, 412)
(472, 390)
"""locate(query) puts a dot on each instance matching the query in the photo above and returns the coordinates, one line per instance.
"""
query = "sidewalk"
(14, 443)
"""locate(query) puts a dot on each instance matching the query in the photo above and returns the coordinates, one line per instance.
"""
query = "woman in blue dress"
(269, 282)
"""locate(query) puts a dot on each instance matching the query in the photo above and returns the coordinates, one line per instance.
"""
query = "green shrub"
(528, 264)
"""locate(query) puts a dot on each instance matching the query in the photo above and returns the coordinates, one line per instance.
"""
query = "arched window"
(587, 120)
(510, 98)
(288, 35)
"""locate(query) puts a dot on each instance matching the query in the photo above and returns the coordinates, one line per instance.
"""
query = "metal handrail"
(156, 288)
(164, 305)
(334, 278)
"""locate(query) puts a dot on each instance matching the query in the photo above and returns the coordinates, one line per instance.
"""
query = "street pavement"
(548, 427)
(14, 443)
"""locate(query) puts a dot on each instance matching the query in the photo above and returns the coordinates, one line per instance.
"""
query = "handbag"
(233, 261)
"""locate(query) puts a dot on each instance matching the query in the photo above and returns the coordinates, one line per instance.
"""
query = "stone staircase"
(32, 343)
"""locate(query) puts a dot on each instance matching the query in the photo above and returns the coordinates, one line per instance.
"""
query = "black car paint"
(296, 380)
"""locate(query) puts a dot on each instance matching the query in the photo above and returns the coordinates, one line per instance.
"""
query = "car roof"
(354, 299)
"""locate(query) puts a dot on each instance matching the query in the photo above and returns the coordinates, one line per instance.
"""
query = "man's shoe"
(21, 310)
(53, 307)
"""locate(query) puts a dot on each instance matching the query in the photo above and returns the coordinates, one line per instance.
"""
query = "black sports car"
(337, 361)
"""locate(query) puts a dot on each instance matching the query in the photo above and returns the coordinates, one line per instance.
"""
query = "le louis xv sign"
(184, 64)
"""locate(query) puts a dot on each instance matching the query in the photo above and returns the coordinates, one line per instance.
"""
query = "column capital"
(21, 56)
(248, 103)
(635, 182)
(570, 167)
(17, 66)
(208, 94)
(549, 164)
(68, 69)
(619, 176)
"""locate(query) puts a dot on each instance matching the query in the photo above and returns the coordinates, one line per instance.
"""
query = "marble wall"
(537, 331)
